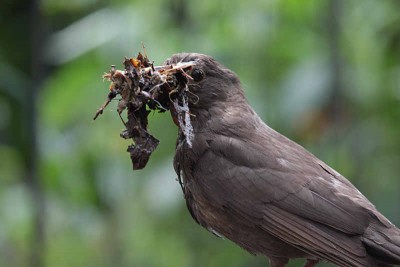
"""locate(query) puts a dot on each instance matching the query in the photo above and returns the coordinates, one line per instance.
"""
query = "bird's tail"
(383, 243)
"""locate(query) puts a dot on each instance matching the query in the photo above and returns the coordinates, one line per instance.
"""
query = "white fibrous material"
(184, 119)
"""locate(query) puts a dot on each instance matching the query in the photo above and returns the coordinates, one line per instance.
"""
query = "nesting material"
(142, 87)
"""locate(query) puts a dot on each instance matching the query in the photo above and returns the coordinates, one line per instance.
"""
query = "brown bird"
(244, 181)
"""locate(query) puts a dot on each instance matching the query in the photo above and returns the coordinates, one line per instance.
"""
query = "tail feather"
(383, 243)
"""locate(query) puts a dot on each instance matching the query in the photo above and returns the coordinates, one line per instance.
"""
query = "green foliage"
(101, 213)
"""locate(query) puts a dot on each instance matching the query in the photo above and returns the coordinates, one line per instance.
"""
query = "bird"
(246, 182)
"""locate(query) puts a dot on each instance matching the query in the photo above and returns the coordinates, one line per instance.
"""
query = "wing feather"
(299, 203)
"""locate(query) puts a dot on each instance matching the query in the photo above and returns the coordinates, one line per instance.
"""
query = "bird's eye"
(197, 75)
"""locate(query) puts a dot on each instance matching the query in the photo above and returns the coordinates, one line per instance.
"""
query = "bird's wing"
(298, 198)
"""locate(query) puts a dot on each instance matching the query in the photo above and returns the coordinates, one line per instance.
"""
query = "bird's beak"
(184, 65)
(175, 67)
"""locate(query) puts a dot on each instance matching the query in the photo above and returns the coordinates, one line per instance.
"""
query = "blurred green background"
(325, 73)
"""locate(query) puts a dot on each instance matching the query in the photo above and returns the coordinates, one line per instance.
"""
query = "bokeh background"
(326, 73)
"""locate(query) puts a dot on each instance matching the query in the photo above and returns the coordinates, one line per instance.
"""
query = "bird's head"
(212, 84)
(215, 96)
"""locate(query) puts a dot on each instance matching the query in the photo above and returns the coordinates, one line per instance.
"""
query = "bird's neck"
(233, 117)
